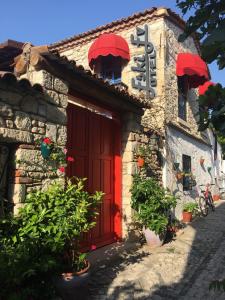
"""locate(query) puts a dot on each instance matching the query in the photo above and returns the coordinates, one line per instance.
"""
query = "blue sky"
(48, 21)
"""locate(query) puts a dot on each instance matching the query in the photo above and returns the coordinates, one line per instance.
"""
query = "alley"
(181, 269)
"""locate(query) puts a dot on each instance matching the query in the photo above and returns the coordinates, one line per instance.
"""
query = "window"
(182, 84)
(109, 68)
(187, 179)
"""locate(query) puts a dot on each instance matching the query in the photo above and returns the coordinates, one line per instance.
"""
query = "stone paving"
(181, 269)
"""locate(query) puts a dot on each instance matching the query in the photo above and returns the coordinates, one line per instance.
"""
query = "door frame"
(88, 104)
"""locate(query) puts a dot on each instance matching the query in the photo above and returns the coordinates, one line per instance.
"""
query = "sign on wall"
(145, 65)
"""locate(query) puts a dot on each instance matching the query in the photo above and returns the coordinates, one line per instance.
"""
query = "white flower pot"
(153, 240)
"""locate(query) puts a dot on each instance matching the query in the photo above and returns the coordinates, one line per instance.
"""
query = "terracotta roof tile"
(88, 35)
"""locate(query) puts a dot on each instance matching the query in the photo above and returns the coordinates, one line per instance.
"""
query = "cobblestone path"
(181, 269)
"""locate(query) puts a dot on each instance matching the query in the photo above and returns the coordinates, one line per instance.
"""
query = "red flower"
(47, 141)
(65, 151)
(70, 158)
(62, 169)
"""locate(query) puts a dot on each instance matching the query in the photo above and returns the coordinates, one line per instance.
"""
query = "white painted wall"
(177, 144)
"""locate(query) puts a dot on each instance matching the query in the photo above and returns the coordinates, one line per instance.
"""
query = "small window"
(109, 68)
(187, 179)
(182, 84)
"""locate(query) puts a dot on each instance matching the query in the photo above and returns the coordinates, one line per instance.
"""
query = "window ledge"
(183, 122)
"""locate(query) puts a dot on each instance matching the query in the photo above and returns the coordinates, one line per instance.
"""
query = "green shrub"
(151, 203)
(43, 239)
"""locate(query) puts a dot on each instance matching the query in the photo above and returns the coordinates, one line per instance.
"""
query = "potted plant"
(173, 226)
(46, 147)
(188, 210)
(216, 197)
(176, 166)
(179, 175)
(141, 154)
(43, 242)
(151, 204)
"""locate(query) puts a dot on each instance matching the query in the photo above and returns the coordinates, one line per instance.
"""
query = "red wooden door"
(92, 141)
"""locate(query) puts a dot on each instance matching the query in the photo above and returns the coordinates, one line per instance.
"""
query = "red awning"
(203, 88)
(194, 67)
(108, 44)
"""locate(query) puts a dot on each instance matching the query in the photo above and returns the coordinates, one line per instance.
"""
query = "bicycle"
(205, 201)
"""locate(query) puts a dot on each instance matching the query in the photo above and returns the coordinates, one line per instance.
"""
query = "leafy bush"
(151, 203)
(44, 239)
(190, 207)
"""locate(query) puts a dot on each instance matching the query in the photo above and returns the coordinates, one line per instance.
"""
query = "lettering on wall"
(145, 80)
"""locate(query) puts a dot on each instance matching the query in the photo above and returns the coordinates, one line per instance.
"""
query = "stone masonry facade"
(27, 114)
(164, 107)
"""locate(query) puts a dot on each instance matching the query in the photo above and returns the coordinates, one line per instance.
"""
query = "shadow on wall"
(181, 270)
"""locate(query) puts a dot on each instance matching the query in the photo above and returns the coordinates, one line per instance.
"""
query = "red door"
(93, 142)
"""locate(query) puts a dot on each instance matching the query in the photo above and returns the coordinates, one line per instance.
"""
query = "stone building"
(101, 95)
(172, 96)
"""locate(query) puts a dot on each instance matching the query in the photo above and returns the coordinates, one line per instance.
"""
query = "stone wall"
(153, 118)
(172, 48)
(28, 114)
(133, 136)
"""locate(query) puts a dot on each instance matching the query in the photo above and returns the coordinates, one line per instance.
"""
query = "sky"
(48, 21)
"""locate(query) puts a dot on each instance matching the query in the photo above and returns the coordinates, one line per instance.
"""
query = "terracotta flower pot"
(202, 160)
(216, 197)
(140, 162)
(187, 217)
(179, 176)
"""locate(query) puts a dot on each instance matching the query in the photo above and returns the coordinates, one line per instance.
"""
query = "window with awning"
(107, 55)
(193, 67)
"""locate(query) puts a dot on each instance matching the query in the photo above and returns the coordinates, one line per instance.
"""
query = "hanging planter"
(46, 148)
(179, 176)
(176, 165)
(202, 160)
(140, 162)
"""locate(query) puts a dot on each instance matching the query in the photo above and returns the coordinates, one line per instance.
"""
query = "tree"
(208, 23)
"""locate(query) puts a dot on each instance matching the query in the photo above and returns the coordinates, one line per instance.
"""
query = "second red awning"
(194, 67)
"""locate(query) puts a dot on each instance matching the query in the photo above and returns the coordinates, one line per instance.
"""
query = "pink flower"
(65, 151)
(70, 158)
(62, 169)
(47, 141)
(93, 247)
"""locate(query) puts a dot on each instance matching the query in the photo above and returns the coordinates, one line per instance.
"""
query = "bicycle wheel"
(211, 203)
(203, 206)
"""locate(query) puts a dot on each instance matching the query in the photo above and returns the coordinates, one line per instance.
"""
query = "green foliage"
(151, 203)
(190, 207)
(44, 239)
(209, 22)
(143, 151)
